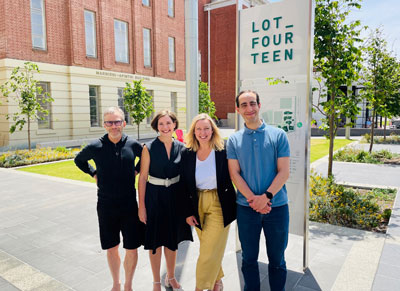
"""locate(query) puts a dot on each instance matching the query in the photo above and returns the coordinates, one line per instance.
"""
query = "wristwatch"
(269, 195)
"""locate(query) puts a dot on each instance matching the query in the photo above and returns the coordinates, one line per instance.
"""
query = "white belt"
(163, 182)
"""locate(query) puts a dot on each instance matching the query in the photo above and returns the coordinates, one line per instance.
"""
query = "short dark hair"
(247, 91)
(162, 113)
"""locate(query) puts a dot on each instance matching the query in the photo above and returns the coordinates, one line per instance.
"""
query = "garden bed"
(25, 157)
(366, 209)
(355, 155)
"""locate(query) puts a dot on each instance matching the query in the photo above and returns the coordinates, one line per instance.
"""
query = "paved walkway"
(49, 241)
(387, 276)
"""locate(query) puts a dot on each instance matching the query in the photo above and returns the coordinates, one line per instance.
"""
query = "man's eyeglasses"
(115, 122)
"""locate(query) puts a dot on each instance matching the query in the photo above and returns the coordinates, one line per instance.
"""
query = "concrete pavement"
(49, 241)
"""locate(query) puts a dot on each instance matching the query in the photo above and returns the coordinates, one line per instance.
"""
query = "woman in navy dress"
(158, 190)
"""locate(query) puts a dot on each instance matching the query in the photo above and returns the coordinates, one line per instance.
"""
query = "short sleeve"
(230, 149)
(283, 145)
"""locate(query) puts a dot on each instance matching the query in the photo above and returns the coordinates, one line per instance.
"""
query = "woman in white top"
(209, 198)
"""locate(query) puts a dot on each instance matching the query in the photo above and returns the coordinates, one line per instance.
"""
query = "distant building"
(217, 48)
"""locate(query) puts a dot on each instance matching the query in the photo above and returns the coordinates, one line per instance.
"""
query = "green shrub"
(391, 139)
(350, 154)
(62, 150)
(338, 205)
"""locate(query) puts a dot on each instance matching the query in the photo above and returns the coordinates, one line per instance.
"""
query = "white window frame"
(171, 54)
(146, 3)
(40, 12)
(171, 8)
(46, 123)
(121, 41)
(147, 47)
(150, 118)
(94, 122)
(174, 102)
(120, 93)
(90, 27)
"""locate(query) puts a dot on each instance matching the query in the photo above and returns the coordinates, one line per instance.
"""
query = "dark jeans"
(276, 228)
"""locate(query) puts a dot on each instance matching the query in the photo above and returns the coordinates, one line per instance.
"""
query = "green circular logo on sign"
(299, 124)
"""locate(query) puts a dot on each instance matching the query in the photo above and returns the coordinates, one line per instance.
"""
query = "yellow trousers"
(212, 237)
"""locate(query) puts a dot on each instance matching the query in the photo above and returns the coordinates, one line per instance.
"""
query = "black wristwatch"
(269, 195)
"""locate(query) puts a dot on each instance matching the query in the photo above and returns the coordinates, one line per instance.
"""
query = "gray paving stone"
(308, 281)
(9, 287)
(52, 286)
(301, 288)
(94, 283)
(382, 283)
(391, 254)
(387, 270)
(76, 276)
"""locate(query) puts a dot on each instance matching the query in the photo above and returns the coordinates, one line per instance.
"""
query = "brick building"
(217, 46)
(86, 50)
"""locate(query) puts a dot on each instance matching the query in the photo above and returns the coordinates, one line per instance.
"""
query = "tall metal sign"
(275, 42)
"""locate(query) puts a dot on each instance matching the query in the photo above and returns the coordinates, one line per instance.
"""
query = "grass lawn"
(68, 170)
(64, 169)
(320, 147)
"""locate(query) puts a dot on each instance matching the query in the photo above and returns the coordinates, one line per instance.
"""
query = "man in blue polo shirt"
(258, 159)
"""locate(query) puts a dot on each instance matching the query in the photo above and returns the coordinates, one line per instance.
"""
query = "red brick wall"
(18, 32)
(223, 53)
(3, 36)
(66, 34)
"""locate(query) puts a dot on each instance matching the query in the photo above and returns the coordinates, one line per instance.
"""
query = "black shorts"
(111, 223)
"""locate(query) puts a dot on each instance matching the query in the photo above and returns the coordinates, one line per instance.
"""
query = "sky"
(380, 13)
(384, 14)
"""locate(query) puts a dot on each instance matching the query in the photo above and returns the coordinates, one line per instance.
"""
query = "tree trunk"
(138, 126)
(29, 133)
(384, 128)
(372, 131)
(331, 143)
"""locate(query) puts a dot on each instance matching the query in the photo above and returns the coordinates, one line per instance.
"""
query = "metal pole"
(237, 117)
(191, 51)
(308, 136)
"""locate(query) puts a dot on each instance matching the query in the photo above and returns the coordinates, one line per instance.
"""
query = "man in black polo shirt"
(114, 155)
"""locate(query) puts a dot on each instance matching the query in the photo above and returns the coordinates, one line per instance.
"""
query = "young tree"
(26, 89)
(205, 103)
(138, 102)
(337, 63)
(381, 80)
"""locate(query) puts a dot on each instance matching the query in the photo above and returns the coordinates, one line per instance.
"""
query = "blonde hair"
(216, 141)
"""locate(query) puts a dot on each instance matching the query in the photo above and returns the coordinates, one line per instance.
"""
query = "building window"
(146, 47)
(90, 34)
(146, 2)
(174, 104)
(44, 121)
(171, 53)
(171, 8)
(94, 106)
(38, 24)
(121, 105)
(150, 118)
(121, 41)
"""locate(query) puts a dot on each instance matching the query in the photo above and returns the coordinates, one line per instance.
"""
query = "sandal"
(219, 285)
(156, 283)
(168, 284)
